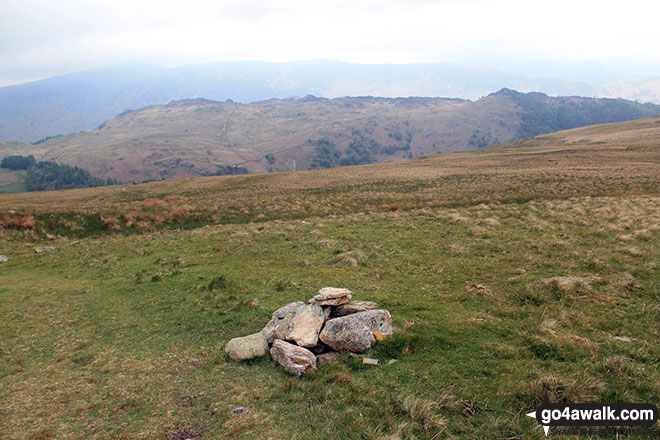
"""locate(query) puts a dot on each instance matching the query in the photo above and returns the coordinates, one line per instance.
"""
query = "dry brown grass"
(110, 223)
(23, 222)
(481, 178)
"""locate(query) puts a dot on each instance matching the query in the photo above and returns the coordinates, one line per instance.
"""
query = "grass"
(118, 333)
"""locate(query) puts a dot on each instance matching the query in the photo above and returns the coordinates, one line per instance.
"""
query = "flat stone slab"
(44, 249)
(353, 307)
(331, 296)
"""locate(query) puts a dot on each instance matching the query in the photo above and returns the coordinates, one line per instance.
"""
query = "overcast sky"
(41, 38)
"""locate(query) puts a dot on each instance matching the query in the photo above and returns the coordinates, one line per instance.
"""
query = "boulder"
(353, 307)
(331, 296)
(355, 332)
(305, 325)
(295, 360)
(247, 347)
(278, 326)
(3, 259)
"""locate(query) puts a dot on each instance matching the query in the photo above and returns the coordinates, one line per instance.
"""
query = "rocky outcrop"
(247, 347)
(296, 360)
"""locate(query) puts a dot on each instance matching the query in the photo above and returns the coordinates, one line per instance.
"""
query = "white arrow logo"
(546, 428)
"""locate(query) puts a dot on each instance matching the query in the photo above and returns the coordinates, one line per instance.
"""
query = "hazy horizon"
(40, 39)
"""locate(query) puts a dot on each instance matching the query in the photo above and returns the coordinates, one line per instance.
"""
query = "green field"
(507, 271)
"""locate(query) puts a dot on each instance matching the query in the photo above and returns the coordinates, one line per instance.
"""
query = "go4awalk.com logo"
(594, 415)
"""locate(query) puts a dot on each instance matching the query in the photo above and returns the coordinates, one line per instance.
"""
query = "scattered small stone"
(295, 360)
(247, 347)
(622, 338)
(3, 259)
(391, 361)
(331, 296)
(369, 361)
(240, 410)
(44, 249)
(379, 336)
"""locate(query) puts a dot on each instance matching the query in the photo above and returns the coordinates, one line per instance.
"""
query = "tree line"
(47, 175)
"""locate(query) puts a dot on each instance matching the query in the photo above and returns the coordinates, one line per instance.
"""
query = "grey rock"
(391, 361)
(278, 326)
(247, 347)
(331, 296)
(3, 259)
(295, 360)
(240, 410)
(355, 332)
(305, 325)
(353, 307)
(369, 361)
(44, 249)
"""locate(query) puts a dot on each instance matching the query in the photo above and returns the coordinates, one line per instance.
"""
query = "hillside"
(193, 138)
(83, 100)
(511, 272)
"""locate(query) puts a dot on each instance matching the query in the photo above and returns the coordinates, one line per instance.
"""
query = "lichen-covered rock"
(353, 307)
(305, 325)
(355, 332)
(331, 296)
(278, 326)
(295, 360)
(247, 347)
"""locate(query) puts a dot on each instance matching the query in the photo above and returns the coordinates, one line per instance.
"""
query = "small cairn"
(300, 335)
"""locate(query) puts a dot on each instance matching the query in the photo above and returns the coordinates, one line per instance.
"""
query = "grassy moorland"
(508, 271)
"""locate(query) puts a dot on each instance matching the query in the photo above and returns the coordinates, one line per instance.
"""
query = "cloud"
(42, 37)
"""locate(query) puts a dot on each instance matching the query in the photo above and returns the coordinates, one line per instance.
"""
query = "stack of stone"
(300, 334)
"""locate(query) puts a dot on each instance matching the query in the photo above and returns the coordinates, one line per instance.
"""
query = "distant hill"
(81, 101)
(200, 137)
(645, 89)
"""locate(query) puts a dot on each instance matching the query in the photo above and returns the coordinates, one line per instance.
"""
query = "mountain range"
(81, 101)
(200, 137)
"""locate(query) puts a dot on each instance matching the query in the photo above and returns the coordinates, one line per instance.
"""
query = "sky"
(42, 38)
